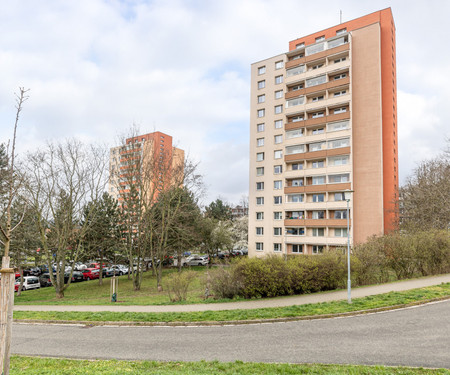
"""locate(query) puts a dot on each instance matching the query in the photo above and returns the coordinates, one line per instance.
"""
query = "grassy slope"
(47, 366)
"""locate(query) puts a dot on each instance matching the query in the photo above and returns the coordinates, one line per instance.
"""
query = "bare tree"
(425, 198)
(62, 178)
(7, 274)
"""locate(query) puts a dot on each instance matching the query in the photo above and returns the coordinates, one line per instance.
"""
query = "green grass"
(371, 302)
(46, 366)
(91, 293)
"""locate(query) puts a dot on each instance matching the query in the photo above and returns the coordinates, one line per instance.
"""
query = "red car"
(91, 273)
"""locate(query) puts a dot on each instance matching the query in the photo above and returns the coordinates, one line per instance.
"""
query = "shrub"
(178, 284)
(371, 264)
(223, 282)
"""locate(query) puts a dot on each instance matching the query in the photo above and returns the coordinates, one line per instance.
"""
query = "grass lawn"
(47, 366)
(91, 293)
(376, 301)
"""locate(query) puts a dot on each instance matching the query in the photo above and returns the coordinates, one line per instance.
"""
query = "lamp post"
(349, 280)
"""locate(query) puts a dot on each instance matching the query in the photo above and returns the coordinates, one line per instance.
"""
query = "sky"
(96, 67)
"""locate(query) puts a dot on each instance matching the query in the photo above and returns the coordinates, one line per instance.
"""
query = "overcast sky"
(95, 67)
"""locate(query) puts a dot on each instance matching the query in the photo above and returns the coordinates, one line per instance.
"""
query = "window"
(260, 171)
(278, 124)
(317, 249)
(297, 149)
(337, 178)
(260, 142)
(261, 70)
(320, 38)
(259, 231)
(340, 214)
(278, 139)
(340, 93)
(297, 166)
(277, 215)
(294, 133)
(318, 198)
(261, 84)
(317, 146)
(296, 118)
(318, 131)
(316, 81)
(341, 31)
(338, 143)
(277, 185)
(297, 248)
(279, 65)
(297, 215)
(261, 98)
(279, 94)
(317, 66)
(339, 197)
(318, 232)
(259, 246)
(340, 76)
(300, 45)
(294, 71)
(261, 112)
(296, 87)
(318, 180)
(260, 127)
(317, 114)
(277, 200)
(278, 154)
(294, 102)
(259, 201)
(277, 231)
(318, 164)
(260, 156)
(318, 215)
(317, 98)
(340, 60)
(278, 109)
(260, 186)
(277, 247)
(278, 80)
(340, 110)
(336, 42)
(260, 216)
(295, 198)
(295, 231)
(340, 232)
(277, 169)
(297, 182)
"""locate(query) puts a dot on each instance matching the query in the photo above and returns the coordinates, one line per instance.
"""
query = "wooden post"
(6, 313)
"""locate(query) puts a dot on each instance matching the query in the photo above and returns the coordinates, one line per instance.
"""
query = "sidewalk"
(253, 304)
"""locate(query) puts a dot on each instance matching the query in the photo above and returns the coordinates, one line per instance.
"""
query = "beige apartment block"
(323, 140)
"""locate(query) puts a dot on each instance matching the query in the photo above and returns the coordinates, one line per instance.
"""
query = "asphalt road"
(418, 336)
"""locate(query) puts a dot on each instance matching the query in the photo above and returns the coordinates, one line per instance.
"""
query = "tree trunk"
(159, 277)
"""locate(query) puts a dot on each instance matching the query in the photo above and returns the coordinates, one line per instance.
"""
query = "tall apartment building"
(148, 161)
(323, 133)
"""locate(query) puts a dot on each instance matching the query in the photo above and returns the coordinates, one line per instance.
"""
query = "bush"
(371, 264)
(223, 282)
(178, 284)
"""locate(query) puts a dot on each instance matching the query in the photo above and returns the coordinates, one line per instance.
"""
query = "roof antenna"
(340, 16)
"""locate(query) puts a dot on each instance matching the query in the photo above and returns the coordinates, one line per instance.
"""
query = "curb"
(231, 322)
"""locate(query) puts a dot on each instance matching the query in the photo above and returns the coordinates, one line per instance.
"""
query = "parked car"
(76, 277)
(29, 282)
(91, 273)
(120, 270)
(95, 265)
(196, 260)
(107, 272)
(44, 280)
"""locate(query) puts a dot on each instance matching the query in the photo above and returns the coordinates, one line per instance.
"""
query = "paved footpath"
(252, 304)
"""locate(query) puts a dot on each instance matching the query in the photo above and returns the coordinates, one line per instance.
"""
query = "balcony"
(316, 56)
(317, 188)
(316, 223)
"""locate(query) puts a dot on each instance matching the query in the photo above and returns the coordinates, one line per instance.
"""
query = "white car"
(29, 282)
(196, 260)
